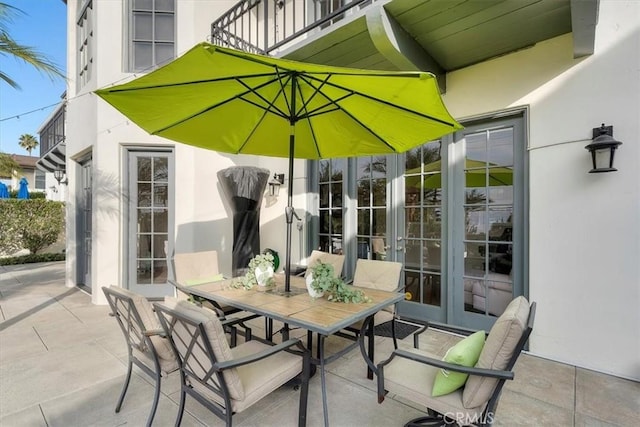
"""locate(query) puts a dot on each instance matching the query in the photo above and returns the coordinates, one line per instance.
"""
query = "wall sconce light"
(275, 183)
(59, 174)
(602, 149)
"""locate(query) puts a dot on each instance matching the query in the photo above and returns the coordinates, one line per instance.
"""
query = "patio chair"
(337, 261)
(411, 373)
(229, 380)
(381, 275)
(195, 268)
(147, 347)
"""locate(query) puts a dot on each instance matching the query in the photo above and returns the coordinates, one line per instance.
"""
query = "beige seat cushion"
(337, 261)
(248, 383)
(167, 360)
(497, 351)
(217, 340)
(414, 381)
(380, 275)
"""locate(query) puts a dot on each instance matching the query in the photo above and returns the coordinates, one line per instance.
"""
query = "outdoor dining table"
(299, 309)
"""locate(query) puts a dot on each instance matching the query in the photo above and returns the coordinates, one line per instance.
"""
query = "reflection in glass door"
(371, 233)
(84, 225)
(487, 218)
(150, 222)
(420, 232)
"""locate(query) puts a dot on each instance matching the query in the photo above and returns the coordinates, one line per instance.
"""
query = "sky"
(42, 26)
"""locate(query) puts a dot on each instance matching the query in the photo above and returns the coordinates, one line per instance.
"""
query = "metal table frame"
(300, 310)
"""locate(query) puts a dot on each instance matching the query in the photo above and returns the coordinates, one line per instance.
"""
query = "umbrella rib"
(270, 104)
(382, 101)
(211, 107)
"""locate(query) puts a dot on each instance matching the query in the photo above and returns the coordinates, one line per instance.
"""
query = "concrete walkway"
(62, 363)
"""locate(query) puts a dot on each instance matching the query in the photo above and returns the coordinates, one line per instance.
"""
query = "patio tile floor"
(62, 363)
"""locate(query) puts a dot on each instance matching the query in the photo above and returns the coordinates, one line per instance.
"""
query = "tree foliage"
(28, 142)
(11, 48)
(30, 224)
(8, 165)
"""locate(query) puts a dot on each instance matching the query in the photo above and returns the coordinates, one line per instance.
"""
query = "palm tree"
(9, 47)
(28, 142)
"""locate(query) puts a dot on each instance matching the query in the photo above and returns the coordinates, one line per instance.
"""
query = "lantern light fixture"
(275, 183)
(60, 176)
(602, 149)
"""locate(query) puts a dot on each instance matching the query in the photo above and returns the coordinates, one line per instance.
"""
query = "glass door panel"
(150, 223)
(420, 228)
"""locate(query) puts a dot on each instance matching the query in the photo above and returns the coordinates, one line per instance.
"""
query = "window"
(330, 179)
(371, 182)
(40, 180)
(85, 37)
(151, 33)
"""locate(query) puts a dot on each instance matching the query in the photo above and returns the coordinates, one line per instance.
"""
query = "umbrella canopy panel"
(337, 112)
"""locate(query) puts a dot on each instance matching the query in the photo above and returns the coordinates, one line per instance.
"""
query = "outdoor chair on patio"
(229, 380)
(380, 275)
(452, 398)
(337, 261)
(196, 268)
(147, 347)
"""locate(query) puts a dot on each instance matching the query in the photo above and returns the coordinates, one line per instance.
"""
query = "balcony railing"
(52, 132)
(264, 26)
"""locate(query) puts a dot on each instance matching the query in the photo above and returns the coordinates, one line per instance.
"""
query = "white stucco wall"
(584, 228)
(202, 218)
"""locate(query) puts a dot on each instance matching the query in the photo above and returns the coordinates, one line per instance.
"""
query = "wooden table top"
(299, 308)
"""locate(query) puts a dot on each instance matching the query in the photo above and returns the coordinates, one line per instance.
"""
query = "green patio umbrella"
(235, 102)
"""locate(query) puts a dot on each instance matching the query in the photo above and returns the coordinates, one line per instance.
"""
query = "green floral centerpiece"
(260, 272)
(325, 282)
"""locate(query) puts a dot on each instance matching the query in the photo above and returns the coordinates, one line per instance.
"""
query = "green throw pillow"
(465, 353)
(203, 280)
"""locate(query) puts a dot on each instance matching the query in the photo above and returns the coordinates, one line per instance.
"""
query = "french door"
(150, 225)
(461, 230)
(452, 211)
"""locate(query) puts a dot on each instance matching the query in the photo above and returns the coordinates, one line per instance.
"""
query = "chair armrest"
(154, 332)
(261, 354)
(492, 373)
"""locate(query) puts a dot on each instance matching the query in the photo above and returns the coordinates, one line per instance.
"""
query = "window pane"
(379, 221)
(160, 169)
(324, 195)
(336, 195)
(363, 193)
(143, 4)
(324, 221)
(160, 195)
(363, 222)
(144, 246)
(164, 53)
(160, 220)
(432, 223)
(379, 192)
(164, 27)
(324, 167)
(142, 26)
(501, 147)
(142, 55)
(144, 194)
(165, 5)
(476, 150)
(337, 169)
(144, 169)
(144, 220)
(474, 259)
(475, 223)
(336, 221)
(160, 271)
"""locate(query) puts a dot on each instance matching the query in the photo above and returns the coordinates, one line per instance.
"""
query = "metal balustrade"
(264, 26)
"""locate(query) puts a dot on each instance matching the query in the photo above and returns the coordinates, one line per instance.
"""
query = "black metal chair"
(410, 373)
(215, 374)
(147, 347)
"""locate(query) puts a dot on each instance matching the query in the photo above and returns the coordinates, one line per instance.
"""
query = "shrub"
(29, 224)
(32, 195)
(31, 258)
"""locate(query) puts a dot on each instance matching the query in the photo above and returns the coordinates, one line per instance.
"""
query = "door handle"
(399, 239)
(399, 248)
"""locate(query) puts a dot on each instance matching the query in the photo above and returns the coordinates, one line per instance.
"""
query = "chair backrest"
(192, 268)
(337, 261)
(374, 274)
(199, 342)
(195, 265)
(135, 315)
(501, 350)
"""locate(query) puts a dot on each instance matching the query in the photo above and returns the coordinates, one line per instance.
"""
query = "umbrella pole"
(289, 213)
